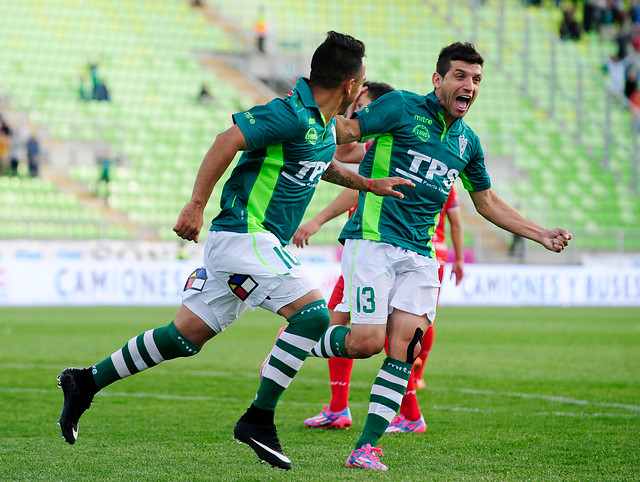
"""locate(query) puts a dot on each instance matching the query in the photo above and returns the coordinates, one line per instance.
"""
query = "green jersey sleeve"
(265, 125)
(381, 116)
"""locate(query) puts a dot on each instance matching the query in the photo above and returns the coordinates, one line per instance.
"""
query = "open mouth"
(463, 101)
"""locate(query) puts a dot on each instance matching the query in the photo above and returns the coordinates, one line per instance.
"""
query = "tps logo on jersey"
(196, 280)
(242, 285)
(421, 132)
(436, 168)
(312, 136)
(462, 144)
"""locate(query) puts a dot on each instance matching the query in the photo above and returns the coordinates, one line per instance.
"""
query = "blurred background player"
(410, 418)
(451, 213)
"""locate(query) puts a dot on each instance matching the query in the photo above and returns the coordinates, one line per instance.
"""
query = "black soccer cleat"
(78, 389)
(263, 439)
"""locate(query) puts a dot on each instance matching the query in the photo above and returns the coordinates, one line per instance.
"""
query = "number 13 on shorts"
(365, 300)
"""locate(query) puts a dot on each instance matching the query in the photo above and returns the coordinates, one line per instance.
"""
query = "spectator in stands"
(612, 20)
(569, 28)
(205, 96)
(631, 81)
(615, 69)
(33, 154)
(19, 138)
(260, 28)
(633, 56)
(4, 127)
(100, 91)
(634, 12)
(5, 146)
(634, 98)
(105, 163)
(589, 16)
(14, 153)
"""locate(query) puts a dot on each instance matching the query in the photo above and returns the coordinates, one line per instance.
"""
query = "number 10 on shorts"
(365, 300)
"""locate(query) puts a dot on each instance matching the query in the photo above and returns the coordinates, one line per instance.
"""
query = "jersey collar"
(306, 96)
(433, 105)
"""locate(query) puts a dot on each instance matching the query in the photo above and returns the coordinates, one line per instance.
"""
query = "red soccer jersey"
(439, 238)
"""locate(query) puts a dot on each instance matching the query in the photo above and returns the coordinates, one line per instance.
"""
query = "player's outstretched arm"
(495, 210)
(215, 163)
(342, 176)
(341, 204)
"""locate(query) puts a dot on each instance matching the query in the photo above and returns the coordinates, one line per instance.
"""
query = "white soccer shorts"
(243, 270)
(379, 277)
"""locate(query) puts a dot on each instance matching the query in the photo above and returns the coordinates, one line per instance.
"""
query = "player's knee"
(172, 343)
(365, 346)
(315, 317)
(415, 346)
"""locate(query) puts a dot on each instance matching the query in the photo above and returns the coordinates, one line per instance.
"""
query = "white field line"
(200, 398)
(221, 374)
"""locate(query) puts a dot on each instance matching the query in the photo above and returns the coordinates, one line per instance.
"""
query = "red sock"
(427, 343)
(409, 407)
(340, 376)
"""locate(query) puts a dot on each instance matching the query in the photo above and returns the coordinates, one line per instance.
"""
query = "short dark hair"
(457, 51)
(377, 89)
(337, 59)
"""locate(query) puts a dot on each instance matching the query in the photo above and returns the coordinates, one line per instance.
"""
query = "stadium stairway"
(108, 216)
(243, 71)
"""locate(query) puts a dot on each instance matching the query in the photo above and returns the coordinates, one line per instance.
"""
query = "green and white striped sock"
(385, 399)
(291, 349)
(331, 345)
(141, 352)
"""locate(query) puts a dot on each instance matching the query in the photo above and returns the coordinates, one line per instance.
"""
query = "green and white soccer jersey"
(412, 141)
(290, 147)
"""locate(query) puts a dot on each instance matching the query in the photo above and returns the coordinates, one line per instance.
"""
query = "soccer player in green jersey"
(288, 147)
(389, 262)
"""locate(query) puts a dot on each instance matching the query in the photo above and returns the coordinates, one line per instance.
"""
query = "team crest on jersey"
(312, 136)
(242, 285)
(196, 280)
(422, 132)
(462, 144)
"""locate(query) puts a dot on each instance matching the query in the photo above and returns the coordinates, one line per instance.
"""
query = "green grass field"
(512, 394)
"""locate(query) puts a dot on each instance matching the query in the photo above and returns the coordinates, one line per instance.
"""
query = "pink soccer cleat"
(366, 457)
(400, 424)
(329, 419)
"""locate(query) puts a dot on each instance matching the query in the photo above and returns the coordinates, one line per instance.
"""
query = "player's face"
(458, 89)
(362, 101)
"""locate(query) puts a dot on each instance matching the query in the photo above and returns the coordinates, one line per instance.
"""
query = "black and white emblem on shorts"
(196, 280)
(242, 285)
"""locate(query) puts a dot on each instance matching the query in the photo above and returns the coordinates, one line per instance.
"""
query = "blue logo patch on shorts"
(242, 285)
(196, 280)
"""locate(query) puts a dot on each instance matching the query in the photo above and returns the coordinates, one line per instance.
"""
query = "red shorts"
(441, 255)
(336, 295)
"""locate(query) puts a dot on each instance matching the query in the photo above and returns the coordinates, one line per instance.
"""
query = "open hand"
(384, 186)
